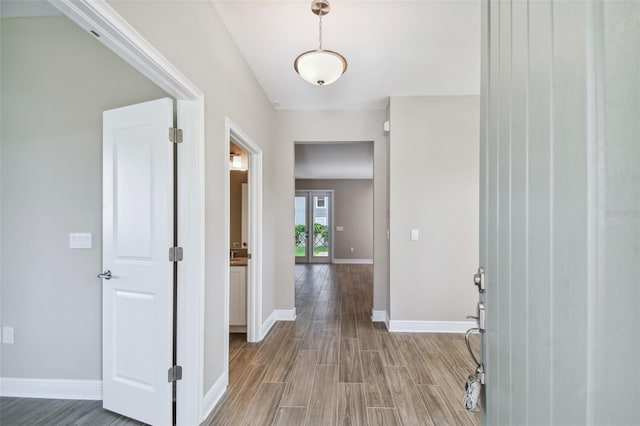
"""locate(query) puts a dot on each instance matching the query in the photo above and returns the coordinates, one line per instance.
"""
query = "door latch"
(480, 316)
(478, 279)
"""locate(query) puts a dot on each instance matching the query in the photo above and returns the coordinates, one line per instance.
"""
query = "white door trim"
(254, 269)
(119, 36)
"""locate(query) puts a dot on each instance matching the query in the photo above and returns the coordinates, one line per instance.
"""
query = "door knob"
(106, 275)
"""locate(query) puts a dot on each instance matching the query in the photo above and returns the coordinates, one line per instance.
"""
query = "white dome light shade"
(320, 67)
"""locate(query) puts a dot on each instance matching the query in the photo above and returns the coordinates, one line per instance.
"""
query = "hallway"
(332, 365)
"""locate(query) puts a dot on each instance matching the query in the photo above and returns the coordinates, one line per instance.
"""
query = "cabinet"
(237, 296)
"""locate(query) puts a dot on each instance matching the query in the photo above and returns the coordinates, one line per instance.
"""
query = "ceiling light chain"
(320, 32)
(320, 67)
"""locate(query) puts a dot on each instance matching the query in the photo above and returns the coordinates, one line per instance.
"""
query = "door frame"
(309, 215)
(99, 19)
(254, 266)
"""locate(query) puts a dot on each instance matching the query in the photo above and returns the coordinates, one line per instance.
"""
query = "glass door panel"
(321, 227)
(313, 226)
(301, 231)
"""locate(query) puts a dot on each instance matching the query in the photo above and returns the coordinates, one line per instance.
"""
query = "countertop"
(238, 261)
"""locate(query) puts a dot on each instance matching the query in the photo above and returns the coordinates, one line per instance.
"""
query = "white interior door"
(138, 229)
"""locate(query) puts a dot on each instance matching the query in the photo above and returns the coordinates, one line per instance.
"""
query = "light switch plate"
(7, 335)
(80, 240)
(339, 228)
(415, 235)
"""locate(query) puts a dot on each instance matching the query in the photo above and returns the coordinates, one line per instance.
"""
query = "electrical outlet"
(352, 250)
(415, 235)
(7, 335)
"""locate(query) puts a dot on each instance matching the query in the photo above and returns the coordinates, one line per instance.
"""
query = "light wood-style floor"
(333, 366)
(49, 412)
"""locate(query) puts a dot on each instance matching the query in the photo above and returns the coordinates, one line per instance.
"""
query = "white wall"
(56, 80)
(434, 166)
(327, 126)
(192, 36)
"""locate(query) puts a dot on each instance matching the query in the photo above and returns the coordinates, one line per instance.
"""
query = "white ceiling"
(393, 47)
(334, 161)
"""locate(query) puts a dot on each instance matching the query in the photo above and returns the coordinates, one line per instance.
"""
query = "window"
(321, 202)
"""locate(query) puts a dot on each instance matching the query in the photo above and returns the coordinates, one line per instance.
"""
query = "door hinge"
(175, 135)
(174, 374)
(248, 255)
(175, 254)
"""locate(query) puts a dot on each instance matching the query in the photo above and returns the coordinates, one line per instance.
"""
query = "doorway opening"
(334, 213)
(243, 287)
(111, 29)
(238, 242)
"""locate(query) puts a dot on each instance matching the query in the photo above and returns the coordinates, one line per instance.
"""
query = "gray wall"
(327, 127)
(353, 210)
(56, 80)
(561, 212)
(434, 148)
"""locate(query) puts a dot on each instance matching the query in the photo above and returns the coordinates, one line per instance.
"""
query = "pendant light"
(320, 67)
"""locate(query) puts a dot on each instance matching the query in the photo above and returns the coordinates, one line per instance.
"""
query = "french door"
(313, 222)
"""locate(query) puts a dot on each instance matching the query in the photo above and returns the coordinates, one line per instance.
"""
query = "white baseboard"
(431, 326)
(51, 388)
(277, 315)
(354, 261)
(213, 395)
(285, 314)
(380, 316)
(266, 326)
